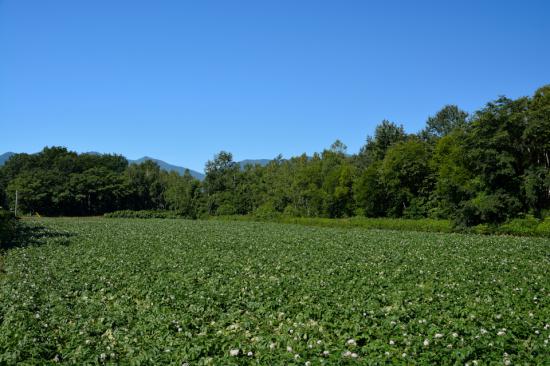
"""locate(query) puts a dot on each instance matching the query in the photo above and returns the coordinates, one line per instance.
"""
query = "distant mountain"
(262, 162)
(5, 157)
(168, 167)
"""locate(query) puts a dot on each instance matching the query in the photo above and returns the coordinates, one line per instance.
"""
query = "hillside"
(168, 167)
(5, 157)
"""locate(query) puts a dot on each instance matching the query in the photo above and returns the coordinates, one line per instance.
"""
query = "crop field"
(130, 291)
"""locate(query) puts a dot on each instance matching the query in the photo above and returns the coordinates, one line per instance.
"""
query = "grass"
(97, 290)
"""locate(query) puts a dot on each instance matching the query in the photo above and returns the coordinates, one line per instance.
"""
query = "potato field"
(147, 292)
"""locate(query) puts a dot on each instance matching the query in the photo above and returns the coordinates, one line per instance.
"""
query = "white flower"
(354, 355)
(296, 356)
(250, 354)
(438, 335)
(455, 335)
(234, 352)
(483, 331)
(351, 342)
(426, 343)
(308, 363)
(507, 362)
(392, 342)
(319, 341)
(347, 354)
(326, 353)
(387, 353)
(404, 354)
(102, 356)
(289, 349)
(501, 333)
(272, 345)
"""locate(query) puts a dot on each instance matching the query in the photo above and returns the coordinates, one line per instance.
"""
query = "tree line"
(486, 167)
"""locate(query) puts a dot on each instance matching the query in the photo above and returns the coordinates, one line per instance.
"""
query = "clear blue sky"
(182, 80)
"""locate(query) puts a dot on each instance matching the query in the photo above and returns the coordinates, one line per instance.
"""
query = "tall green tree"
(385, 135)
(444, 122)
(405, 173)
(220, 183)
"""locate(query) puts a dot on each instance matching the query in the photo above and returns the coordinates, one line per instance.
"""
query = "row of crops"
(95, 290)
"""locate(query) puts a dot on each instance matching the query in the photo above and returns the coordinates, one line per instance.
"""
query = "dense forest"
(481, 168)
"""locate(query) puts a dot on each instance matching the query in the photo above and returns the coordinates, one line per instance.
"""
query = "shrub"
(144, 214)
(266, 212)
(489, 209)
(543, 229)
(7, 227)
(225, 209)
(526, 226)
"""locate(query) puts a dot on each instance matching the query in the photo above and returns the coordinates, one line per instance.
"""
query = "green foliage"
(144, 214)
(183, 194)
(404, 173)
(448, 119)
(526, 226)
(454, 182)
(487, 208)
(59, 182)
(8, 226)
(426, 225)
(122, 291)
(386, 134)
(266, 212)
(483, 169)
(370, 192)
(543, 229)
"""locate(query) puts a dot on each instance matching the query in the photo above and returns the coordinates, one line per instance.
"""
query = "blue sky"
(182, 80)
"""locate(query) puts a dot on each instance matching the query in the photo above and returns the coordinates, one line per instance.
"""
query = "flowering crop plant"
(129, 291)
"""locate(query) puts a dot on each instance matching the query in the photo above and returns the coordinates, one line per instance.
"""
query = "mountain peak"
(168, 167)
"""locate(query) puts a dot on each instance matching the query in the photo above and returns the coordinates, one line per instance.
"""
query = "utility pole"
(16, 198)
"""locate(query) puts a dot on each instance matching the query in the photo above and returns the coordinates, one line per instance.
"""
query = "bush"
(489, 209)
(225, 210)
(144, 214)
(266, 212)
(526, 226)
(543, 229)
(8, 225)
(291, 211)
